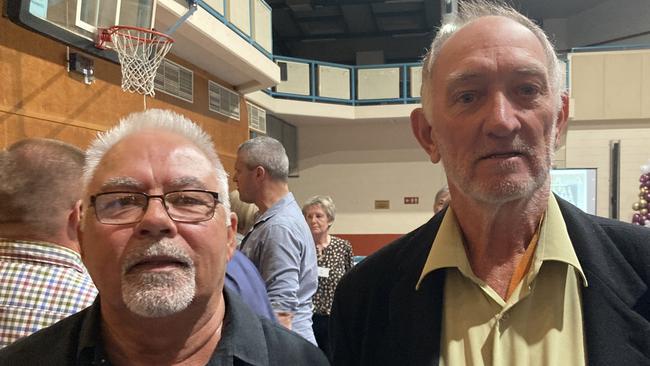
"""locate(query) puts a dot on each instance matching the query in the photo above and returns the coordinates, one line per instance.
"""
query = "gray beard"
(158, 294)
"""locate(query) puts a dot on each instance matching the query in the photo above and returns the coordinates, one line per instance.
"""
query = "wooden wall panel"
(622, 92)
(19, 127)
(39, 98)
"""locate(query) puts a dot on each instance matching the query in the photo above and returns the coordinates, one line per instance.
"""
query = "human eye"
(466, 97)
(119, 206)
(189, 199)
(117, 201)
(529, 90)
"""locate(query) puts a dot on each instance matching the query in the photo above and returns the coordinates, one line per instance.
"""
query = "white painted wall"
(362, 162)
(588, 147)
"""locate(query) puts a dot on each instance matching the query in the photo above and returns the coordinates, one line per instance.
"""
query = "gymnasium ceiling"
(335, 30)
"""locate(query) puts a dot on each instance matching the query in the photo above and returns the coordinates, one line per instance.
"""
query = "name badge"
(323, 272)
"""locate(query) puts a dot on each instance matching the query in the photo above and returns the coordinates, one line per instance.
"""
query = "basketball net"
(140, 52)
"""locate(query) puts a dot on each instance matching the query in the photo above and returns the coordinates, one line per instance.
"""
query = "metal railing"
(328, 82)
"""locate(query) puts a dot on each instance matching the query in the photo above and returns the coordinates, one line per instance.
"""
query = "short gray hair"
(40, 183)
(157, 120)
(325, 202)
(472, 10)
(268, 153)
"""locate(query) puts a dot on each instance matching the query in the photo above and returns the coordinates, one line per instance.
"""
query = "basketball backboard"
(76, 22)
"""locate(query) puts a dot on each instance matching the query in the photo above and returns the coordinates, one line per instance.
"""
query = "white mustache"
(161, 248)
(516, 146)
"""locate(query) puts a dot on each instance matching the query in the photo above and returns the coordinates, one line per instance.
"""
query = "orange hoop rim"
(106, 34)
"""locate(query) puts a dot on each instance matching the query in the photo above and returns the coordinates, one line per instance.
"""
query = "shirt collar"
(554, 241)
(448, 249)
(277, 207)
(554, 244)
(242, 336)
(90, 349)
(43, 252)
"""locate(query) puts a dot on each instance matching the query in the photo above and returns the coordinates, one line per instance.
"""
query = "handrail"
(222, 18)
(403, 87)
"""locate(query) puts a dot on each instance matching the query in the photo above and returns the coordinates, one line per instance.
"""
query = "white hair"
(157, 119)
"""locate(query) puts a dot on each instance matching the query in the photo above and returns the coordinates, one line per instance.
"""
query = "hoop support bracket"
(192, 7)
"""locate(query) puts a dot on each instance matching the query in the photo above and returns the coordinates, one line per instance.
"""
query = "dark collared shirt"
(246, 340)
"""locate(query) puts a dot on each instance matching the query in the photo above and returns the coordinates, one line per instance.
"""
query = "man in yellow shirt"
(509, 274)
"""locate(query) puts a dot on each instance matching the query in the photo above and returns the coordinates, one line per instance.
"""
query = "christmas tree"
(642, 206)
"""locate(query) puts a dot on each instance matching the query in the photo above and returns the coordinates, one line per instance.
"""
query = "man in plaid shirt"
(42, 278)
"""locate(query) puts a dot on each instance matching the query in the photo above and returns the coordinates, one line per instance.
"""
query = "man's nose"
(501, 119)
(156, 221)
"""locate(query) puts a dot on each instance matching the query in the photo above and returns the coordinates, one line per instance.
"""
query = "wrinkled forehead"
(154, 158)
(490, 33)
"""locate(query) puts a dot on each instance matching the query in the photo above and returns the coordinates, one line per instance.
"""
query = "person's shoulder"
(288, 348)
(626, 236)
(622, 228)
(54, 345)
(621, 233)
(607, 240)
(340, 241)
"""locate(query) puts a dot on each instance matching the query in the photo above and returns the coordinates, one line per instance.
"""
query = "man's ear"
(231, 236)
(74, 220)
(422, 132)
(562, 119)
(260, 172)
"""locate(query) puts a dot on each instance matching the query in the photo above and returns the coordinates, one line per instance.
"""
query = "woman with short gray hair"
(334, 257)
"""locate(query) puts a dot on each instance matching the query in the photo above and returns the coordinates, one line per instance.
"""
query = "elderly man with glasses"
(156, 235)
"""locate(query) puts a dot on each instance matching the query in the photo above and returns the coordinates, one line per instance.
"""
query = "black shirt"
(246, 339)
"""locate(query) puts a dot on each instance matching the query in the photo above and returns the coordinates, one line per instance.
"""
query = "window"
(174, 79)
(256, 118)
(223, 100)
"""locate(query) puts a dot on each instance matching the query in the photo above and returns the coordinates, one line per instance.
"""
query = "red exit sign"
(411, 200)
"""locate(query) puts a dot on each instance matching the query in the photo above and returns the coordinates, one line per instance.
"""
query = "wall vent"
(174, 79)
(223, 100)
(256, 118)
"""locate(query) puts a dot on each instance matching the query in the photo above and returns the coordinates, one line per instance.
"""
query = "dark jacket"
(379, 318)
(246, 339)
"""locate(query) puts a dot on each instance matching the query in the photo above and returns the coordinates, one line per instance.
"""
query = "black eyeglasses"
(121, 208)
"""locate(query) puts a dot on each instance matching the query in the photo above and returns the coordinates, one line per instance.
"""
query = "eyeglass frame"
(215, 195)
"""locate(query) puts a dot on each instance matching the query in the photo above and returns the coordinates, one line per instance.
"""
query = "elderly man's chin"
(507, 188)
(158, 294)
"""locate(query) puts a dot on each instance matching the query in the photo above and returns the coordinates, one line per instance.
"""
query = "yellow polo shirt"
(541, 322)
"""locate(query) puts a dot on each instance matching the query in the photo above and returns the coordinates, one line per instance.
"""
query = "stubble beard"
(504, 190)
(158, 294)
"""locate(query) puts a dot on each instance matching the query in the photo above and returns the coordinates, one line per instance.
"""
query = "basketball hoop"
(140, 52)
